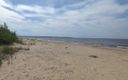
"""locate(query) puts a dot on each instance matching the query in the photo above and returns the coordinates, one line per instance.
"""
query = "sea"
(99, 42)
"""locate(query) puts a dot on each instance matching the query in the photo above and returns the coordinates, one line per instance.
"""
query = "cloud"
(50, 3)
(3, 3)
(7, 15)
(34, 9)
(85, 18)
(93, 20)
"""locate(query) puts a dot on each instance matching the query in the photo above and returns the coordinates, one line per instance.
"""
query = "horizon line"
(68, 37)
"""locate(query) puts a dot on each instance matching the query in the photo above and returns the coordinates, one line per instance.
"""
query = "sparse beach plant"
(8, 50)
(0, 62)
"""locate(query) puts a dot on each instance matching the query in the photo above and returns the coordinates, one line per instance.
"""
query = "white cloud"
(90, 19)
(7, 15)
(95, 18)
(3, 3)
(35, 9)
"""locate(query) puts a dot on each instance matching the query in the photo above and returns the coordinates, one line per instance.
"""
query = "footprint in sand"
(36, 78)
(66, 47)
(93, 56)
(27, 75)
(68, 53)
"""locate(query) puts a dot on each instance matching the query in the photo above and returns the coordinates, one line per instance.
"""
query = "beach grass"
(6, 52)
(7, 38)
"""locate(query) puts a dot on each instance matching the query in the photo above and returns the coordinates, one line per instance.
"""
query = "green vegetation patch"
(6, 36)
(7, 52)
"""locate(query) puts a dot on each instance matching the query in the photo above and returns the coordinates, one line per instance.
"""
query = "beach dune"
(47, 60)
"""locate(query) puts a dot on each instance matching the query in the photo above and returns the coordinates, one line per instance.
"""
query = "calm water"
(89, 41)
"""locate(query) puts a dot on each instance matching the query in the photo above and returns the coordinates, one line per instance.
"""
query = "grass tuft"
(6, 53)
(8, 50)
(0, 62)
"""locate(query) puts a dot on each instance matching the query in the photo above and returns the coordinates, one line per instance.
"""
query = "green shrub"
(7, 36)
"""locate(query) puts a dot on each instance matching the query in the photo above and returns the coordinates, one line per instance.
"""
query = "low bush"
(7, 36)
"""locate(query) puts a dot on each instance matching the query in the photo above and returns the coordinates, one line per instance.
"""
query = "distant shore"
(97, 42)
(53, 60)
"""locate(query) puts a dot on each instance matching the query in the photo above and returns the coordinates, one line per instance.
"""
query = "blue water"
(88, 41)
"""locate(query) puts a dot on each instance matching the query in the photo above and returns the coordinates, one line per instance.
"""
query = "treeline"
(7, 37)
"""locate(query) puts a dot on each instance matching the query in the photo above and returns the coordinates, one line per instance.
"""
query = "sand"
(48, 60)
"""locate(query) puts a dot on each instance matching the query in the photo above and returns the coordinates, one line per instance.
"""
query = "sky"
(66, 18)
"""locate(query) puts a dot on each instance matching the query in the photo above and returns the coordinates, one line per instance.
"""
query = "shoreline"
(48, 60)
(76, 43)
(97, 42)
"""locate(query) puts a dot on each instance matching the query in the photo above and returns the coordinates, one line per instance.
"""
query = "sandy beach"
(62, 61)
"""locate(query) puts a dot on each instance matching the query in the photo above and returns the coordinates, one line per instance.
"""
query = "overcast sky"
(71, 18)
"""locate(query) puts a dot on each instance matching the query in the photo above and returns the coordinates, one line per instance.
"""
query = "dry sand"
(61, 61)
